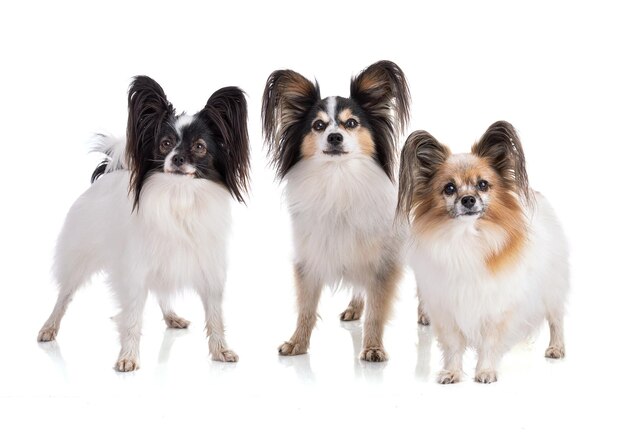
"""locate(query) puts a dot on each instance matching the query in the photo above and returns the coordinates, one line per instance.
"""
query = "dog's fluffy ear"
(148, 109)
(383, 93)
(287, 101)
(421, 157)
(226, 113)
(502, 148)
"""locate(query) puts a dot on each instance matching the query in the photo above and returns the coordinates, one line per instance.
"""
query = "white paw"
(291, 349)
(350, 314)
(422, 319)
(486, 376)
(449, 377)
(227, 356)
(47, 334)
(175, 322)
(555, 352)
(374, 354)
(126, 365)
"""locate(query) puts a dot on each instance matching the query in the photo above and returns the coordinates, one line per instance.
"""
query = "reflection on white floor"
(73, 382)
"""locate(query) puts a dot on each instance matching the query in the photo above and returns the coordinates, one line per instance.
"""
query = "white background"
(555, 70)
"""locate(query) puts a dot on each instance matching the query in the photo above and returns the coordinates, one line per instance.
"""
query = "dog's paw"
(422, 319)
(47, 334)
(449, 377)
(555, 352)
(350, 314)
(173, 321)
(126, 365)
(226, 356)
(374, 354)
(486, 376)
(290, 349)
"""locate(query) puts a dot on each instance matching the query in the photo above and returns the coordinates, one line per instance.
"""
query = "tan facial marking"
(346, 114)
(309, 145)
(366, 143)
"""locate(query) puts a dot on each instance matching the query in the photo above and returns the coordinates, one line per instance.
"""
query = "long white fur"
(175, 239)
(471, 306)
(342, 209)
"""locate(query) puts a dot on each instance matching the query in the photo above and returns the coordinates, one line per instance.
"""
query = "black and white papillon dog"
(157, 216)
(338, 156)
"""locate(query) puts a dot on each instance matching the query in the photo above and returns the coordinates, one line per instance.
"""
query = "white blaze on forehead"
(181, 122)
(331, 109)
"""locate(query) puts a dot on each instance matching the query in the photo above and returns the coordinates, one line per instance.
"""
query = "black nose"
(468, 201)
(335, 139)
(178, 159)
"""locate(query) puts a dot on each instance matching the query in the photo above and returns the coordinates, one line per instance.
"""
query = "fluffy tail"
(114, 150)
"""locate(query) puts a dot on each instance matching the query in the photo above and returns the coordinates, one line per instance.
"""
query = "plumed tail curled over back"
(114, 150)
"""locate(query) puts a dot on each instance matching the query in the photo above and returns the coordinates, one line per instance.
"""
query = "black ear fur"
(382, 91)
(287, 100)
(148, 108)
(421, 157)
(501, 146)
(226, 113)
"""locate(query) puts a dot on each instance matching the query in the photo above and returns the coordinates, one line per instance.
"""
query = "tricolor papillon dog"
(337, 156)
(157, 216)
(489, 254)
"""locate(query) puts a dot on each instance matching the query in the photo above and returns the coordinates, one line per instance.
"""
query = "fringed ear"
(148, 109)
(383, 93)
(287, 100)
(421, 157)
(502, 148)
(226, 113)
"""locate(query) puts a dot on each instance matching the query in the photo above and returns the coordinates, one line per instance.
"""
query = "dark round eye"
(483, 185)
(166, 145)
(351, 123)
(199, 147)
(319, 125)
(449, 189)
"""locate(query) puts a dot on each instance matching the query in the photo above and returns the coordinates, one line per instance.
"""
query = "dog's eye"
(449, 189)
(166, 146)
(199, 148)
(351, 123)
(483, 185)
(319, 125)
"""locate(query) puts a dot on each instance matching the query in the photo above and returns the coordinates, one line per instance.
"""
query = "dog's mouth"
(334, 152)
(469, 213)
(181, 172)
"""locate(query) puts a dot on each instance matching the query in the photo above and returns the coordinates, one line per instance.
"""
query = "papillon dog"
(157, 216)
(489, 254)
(337, 156)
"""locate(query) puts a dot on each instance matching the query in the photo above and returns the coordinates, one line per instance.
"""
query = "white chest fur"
(342, 214)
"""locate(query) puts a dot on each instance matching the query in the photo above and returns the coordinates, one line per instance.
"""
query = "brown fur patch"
(345, 115)
(504, 212)
(309, 145)
(366, 143)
